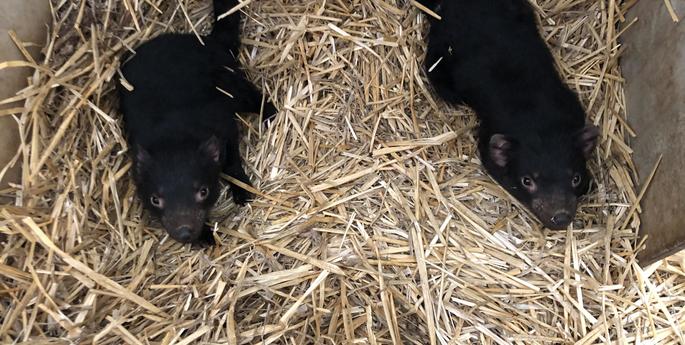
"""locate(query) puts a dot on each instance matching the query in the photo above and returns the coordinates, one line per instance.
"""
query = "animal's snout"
(560, 220)
(184, 233)
(184, 225)
(555, 212)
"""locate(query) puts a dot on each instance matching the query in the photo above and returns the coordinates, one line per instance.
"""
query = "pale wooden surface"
(29, 19)
(654, 68)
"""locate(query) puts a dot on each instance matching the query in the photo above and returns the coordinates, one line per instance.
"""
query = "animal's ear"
(212, 149)
(143, 158)
(500, 149)
(586, 139)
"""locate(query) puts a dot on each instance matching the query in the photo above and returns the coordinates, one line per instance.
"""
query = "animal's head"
(180, 185)
(546, 174)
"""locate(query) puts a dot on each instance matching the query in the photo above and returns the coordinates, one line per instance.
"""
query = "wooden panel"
(29, 19)
(654, 68)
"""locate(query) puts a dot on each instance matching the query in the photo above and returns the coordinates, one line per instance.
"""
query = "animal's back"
(492, 58)
(174, 93)
(166, 72)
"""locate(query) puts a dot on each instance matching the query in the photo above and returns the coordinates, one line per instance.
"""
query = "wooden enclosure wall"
(29, 19)
(654, 68)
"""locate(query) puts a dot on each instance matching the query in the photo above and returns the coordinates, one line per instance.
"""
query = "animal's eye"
(576, 180)
(156, 201)
(527, 181)
(203, 193)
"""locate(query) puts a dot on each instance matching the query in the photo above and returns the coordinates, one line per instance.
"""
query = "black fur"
(181, 128)
(533, 138)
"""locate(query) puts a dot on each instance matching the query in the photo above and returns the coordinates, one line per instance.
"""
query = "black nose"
(561, 219)
(183, 234)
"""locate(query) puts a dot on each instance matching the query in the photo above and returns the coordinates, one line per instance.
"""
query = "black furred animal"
(533, 136)
(179, 121)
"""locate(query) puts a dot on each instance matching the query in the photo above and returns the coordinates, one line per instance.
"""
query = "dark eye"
(156, 201)
(526, 181)
(576, 180)
(203, 193)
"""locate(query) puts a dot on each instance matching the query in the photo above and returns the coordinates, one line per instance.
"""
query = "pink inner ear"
(212, 148)
(587, 139)
(142, 157)
(499, 149)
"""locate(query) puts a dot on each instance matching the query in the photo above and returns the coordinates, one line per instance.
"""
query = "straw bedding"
(374, 222)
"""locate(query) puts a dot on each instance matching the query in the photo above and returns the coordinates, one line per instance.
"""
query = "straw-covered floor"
(374, 222)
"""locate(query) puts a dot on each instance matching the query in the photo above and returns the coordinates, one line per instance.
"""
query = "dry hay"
(374, 224)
